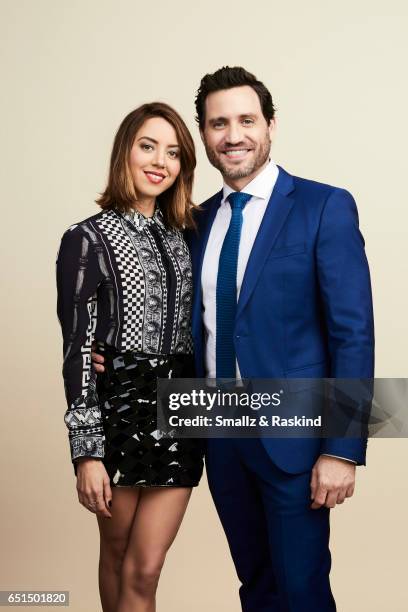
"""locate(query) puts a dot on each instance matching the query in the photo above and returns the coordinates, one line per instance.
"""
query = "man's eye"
(248, 121)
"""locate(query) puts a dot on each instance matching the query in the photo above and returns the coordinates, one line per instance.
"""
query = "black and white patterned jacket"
(123, 280)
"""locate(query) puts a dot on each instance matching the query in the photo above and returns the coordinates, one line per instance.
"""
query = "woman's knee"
(142, 576)
(112, 554)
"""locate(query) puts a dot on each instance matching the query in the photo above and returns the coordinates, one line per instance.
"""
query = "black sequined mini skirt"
(136, 453)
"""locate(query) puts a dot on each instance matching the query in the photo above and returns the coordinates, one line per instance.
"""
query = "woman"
(124, 282)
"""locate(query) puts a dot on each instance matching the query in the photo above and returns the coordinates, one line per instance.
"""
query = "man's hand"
(332, 481)
(93, 486)
(97, 361)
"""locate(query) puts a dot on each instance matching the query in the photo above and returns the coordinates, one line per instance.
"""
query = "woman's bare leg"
(158, 517)
(114, 533)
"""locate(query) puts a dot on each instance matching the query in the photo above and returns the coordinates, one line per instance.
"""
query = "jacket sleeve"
(78, 277)
(345, 289)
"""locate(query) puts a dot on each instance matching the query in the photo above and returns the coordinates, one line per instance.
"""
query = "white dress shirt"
(260, 188)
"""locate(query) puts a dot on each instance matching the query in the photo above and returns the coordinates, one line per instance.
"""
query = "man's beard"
(243, 171)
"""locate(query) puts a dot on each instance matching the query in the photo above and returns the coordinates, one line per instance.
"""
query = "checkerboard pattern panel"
(132, 279)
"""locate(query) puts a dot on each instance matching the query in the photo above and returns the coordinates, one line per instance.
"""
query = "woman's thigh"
(156, 522)
(115, 531)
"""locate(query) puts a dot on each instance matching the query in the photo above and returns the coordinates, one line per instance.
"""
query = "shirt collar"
(260, 187)
(140, 221)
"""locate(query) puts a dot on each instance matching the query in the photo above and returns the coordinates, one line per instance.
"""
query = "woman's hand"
(97, 360)
(93, 486)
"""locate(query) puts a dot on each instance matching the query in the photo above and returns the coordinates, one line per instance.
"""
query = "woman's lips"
(154, 178)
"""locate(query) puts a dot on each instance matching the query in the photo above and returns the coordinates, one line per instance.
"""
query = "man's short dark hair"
(226, 78)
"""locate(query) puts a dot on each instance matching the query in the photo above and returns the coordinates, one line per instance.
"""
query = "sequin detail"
(137, 453)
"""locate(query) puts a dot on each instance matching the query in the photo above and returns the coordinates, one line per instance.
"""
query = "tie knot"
(238, 199)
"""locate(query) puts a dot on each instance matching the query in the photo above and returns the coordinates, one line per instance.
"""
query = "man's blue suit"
(304, 311)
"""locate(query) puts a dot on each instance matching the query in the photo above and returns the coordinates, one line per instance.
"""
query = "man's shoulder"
(316, 196)
(317, 188)
(324, 202)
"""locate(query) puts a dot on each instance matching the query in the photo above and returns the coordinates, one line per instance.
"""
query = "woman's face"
(154, 158)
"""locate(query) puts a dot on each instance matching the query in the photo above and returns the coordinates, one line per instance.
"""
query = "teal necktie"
(226, 296)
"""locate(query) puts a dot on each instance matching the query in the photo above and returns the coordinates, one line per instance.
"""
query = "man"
(281, 290)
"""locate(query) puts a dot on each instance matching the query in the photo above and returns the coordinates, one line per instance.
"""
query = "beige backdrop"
(71, 70)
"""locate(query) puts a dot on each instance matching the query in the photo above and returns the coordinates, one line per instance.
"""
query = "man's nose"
(234, 134)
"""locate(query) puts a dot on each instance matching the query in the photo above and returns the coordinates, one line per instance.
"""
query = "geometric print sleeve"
(78, 277)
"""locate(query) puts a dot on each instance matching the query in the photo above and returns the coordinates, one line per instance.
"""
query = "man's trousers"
(279, 545)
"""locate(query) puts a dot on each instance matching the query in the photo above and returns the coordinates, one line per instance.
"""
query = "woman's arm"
(78, 277)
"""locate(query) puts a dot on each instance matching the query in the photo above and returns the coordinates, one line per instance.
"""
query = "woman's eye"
(174, 154)
(146, 147)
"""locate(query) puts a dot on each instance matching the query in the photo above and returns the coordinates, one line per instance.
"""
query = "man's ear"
(272, 127)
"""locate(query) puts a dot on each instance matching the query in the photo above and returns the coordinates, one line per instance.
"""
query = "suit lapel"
(279, 206)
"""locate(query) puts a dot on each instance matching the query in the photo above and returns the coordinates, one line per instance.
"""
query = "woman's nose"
(159, 159)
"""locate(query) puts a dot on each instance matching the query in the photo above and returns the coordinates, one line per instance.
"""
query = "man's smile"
(237, 154)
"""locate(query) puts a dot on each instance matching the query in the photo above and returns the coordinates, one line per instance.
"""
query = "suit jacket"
(305, 305)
